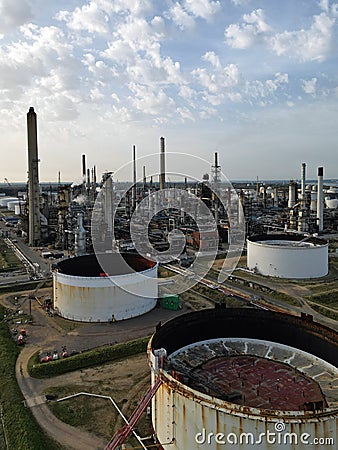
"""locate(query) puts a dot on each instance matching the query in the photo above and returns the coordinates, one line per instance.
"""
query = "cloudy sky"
(255, 80)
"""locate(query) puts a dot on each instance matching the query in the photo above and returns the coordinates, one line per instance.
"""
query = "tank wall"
(98, 299)
(184, 420)
(287, 262)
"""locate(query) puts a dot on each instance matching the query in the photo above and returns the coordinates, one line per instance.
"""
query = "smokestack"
(292, 194)
(162, 163)
(84, 171)
(108, 204)
(94, 176)
(303, 182)
(34, 231)
(302, 224)
(320, 199)
(88, 178)
(134, 179)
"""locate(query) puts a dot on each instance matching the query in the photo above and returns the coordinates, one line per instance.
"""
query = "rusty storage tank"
(288, 256)
(84, 292)
(244, 378)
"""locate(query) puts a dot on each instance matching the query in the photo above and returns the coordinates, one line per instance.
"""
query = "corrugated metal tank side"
(186, 419)
(287, 262)
(92, 299)
(179, 413)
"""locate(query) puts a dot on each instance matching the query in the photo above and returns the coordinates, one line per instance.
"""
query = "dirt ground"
(125, 381)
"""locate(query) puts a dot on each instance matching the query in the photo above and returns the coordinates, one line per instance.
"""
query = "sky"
(254, 80)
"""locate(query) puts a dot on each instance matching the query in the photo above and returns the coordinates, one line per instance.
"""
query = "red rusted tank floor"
(263, 383)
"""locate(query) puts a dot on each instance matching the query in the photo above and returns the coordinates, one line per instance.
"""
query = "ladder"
(122, 434)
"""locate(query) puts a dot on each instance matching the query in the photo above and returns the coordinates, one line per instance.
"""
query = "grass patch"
(8, 259)
(284, 298)
(71, 412)
(325, 312)
(88, 359)
(21, 428)
(28, 286)
(329, 299)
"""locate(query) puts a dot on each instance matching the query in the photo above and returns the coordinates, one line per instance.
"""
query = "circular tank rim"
(102, 279)
(240, 410)
(169, 331)
(58, 268)
(264, 240)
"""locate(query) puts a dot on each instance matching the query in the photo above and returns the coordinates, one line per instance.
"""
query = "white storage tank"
(5, 200)
(287, 256)
(11, 205)
(19, 207)
(331, 203)
(244, 378)
(83, 292)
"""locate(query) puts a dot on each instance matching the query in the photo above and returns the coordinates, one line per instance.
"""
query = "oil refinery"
(238, 280)
(247, 374)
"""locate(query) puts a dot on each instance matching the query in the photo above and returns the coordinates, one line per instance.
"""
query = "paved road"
(68, 436)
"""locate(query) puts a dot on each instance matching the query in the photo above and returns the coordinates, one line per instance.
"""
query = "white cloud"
(309, 86)
(185, 114)
(203, 8)
(88, 17)
(14, 14)
(240, 2)
(212, 58)
(263, 91)
(313, 44)
(244, 35)
(219, 78)
(155, 103)
(324, 5)
(180, 17)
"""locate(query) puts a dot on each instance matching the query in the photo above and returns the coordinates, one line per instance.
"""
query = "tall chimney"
(302, 224)
(320, 200)
(303, 181)
(84, 170)
(134, 193)
(162, 163)
(34, 231)
(292, 194)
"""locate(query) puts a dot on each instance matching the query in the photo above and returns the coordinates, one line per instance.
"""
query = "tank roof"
(113, 264)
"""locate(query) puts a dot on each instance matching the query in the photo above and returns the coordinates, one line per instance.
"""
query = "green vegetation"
(329, 299)
(72, 413)
(21, 428)
(87, 359)
(8, 260)
(325, 312)
(284, 298)
(29, 286)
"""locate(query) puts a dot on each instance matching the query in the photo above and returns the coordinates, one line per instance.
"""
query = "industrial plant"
(240, 362)
(249, 373)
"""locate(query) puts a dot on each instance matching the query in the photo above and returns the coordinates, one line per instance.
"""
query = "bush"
(88, 359)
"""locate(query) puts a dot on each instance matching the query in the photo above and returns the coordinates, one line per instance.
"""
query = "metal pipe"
(320, 200)
(303, 181)
(134, 179)
(292, 194)
(162, 163)
(84, 171)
